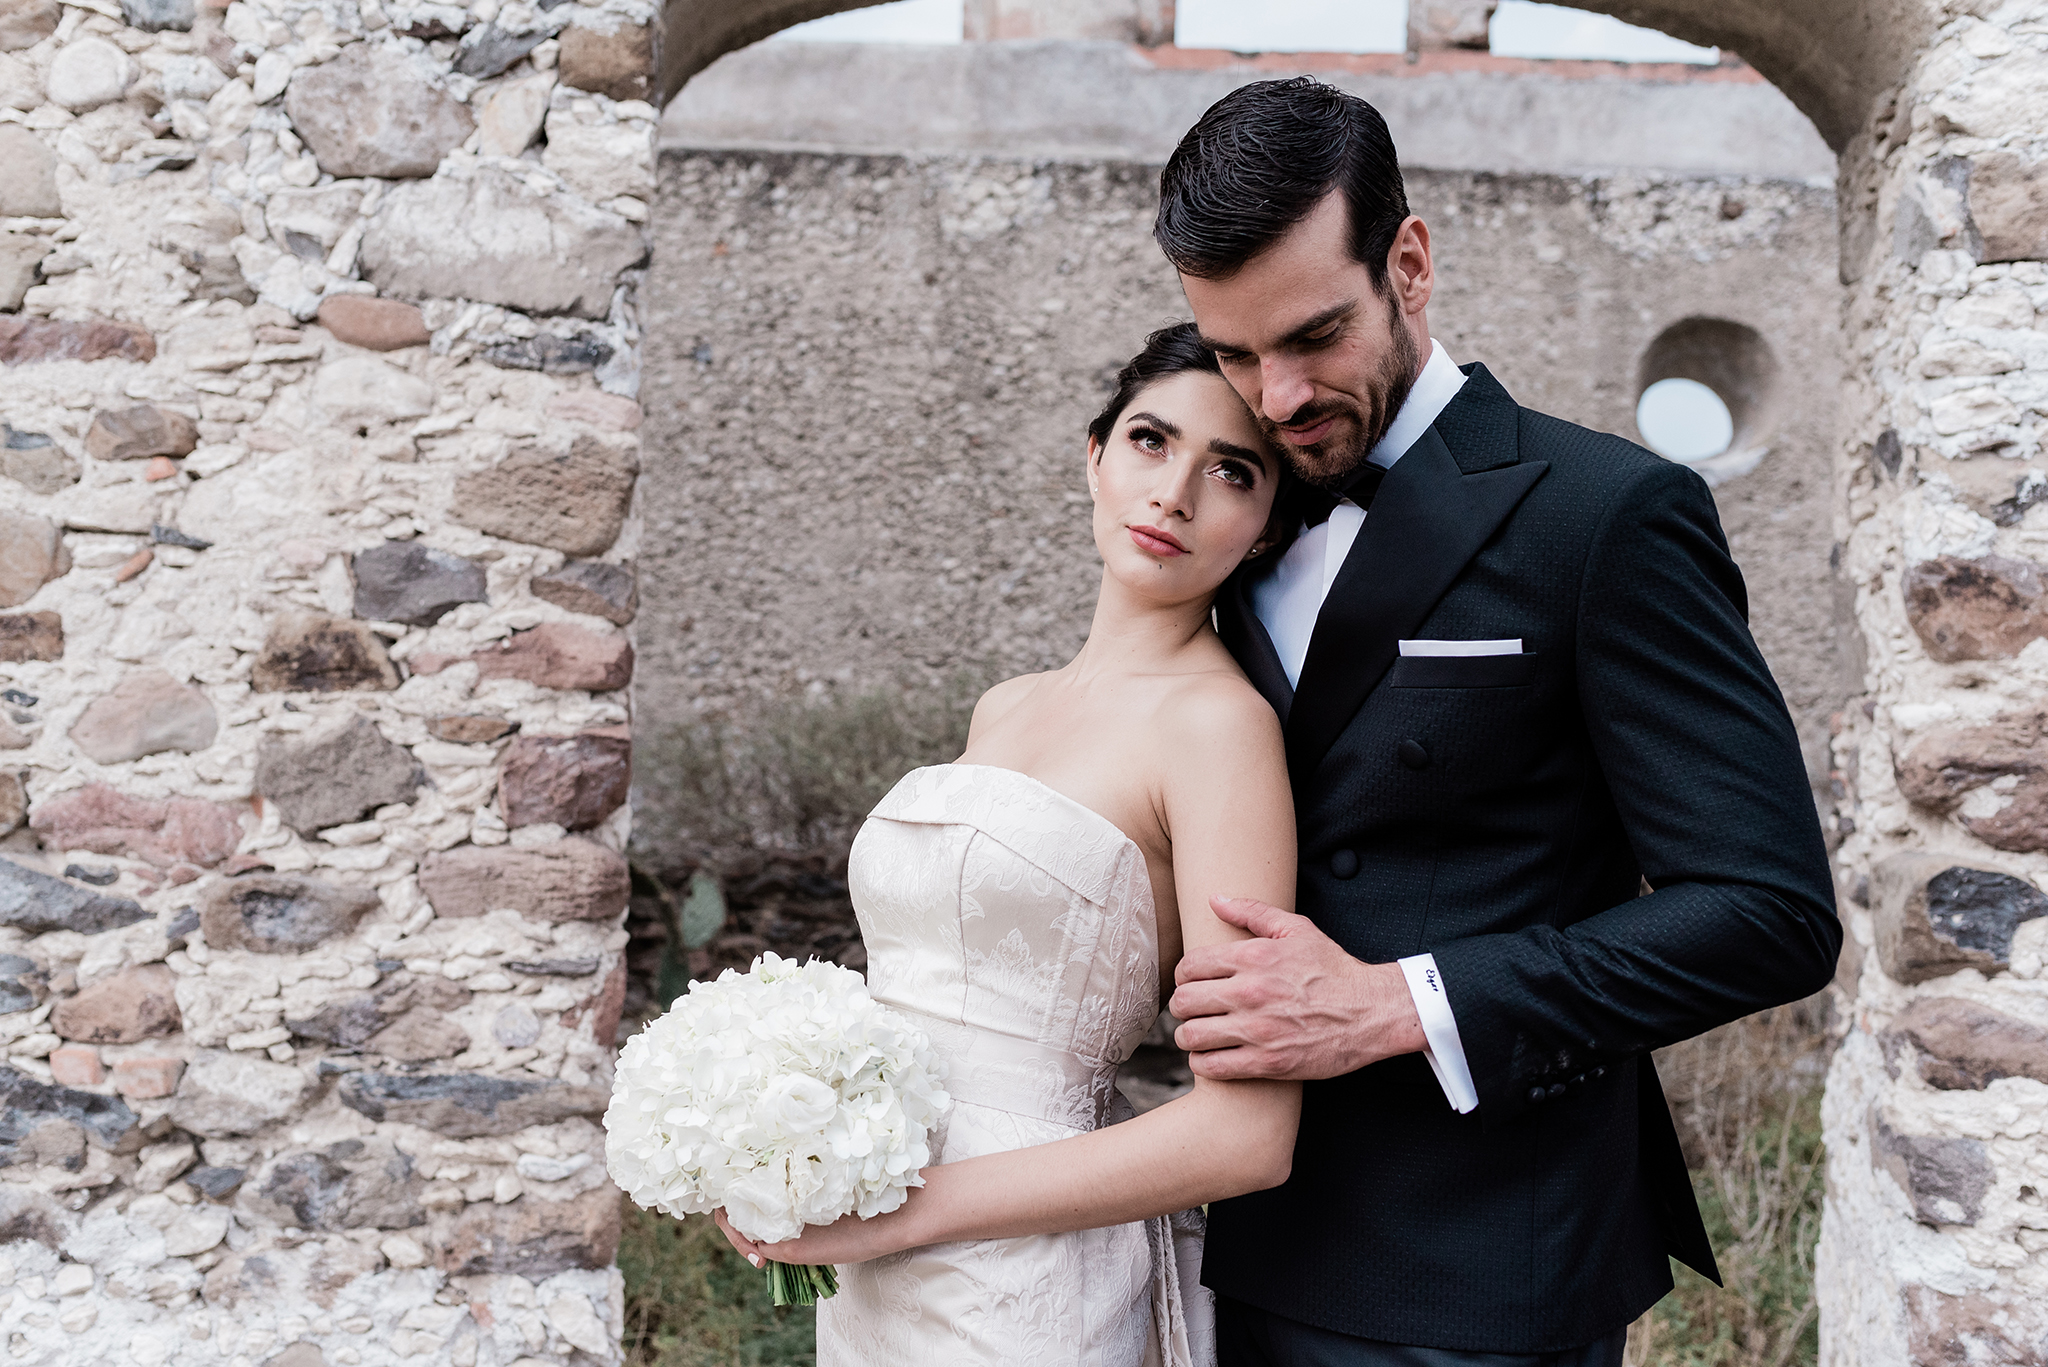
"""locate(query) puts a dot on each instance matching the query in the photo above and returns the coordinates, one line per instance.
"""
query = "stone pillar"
(1436, 25)
(1935, 1238)
(316, 531)
(1149, 22)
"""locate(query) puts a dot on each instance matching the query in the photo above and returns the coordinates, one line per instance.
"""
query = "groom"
(1512, 663)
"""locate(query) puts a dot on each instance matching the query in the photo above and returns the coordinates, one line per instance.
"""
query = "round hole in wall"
(1684, 420)
(1706, 389)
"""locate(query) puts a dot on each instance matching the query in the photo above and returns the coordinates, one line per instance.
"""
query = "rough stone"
(573, 501)
(31, 636)
(164, 832)
(493, 238)
(1985, 609)
(13, 737)
(154, 16)
(32, 553)
(36, 902)
(614, 412)
(308, 653)
(470, 730)
(228, 1094)
(87, 73)
(147, 713)
(13, 807)
(560, 655)
(1934, 916)
(620, 63)
(376, 324)
(535, 1239)
(598, 158)
(310, 222)
(360, 392)
(196, 1231)
(76, 1065)
(467, 1105)
(27, 340)
(24, 23)
(515, 1026)
(280, 913)
(134, 1004)
(27, 1104)
(21, 256)
(334, 775)
(1963, 1046)
(1992, 777)
(554, 968)
(148, 1079)
(406, 581)
(1945, 1178)
(33, 460)
(21, 87)
(577, 354)
(566, 880)
(601, 1009)
(216, 1183)
(422, 1033)
(140, 432)
(372, 112)
(28, 175)
(597, 587)
(352, 1184)
(513, 115)
(2009, 205)
(354, 1021)
(573, 781)
(1961, 1331)
(488, 50)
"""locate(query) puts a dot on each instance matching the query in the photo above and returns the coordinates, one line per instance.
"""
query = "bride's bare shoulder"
(999, 700)
(1220, 707)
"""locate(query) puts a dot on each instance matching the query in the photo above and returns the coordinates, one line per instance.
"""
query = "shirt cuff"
(1445, 1051)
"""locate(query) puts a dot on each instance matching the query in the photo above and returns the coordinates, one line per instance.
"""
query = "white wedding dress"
(1017, 927)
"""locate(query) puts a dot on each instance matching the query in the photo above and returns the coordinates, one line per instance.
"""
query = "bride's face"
(1183, 489)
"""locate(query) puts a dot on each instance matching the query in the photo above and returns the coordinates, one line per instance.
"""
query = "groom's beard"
(1330, 464)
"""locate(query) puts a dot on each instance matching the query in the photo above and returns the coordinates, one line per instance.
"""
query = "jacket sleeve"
(1692, 738)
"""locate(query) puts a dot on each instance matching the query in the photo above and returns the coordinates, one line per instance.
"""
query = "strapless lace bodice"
(1017, 926)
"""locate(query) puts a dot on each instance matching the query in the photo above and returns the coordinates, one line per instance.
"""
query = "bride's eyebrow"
(1154, 420)
(1220, 447)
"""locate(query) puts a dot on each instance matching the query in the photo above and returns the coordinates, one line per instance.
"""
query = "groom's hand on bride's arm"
(1288, 1003)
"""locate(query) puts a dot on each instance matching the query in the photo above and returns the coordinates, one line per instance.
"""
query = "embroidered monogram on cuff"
(1446, 1052)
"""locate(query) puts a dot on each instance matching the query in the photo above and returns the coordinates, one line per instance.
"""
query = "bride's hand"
(848, 1239)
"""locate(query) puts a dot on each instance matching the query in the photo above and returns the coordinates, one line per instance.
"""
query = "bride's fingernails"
(754, 1258)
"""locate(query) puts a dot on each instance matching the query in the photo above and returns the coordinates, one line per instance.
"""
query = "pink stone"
(181, 830)
(561, 655)
(24, 340)
(148, 712)
(377, 324)
(76, 1065)
(131, 1005)
(148, 1079)
(597, 408)
(573, 781)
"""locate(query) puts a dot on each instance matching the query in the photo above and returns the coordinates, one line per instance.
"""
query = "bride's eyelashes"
(1242, 474)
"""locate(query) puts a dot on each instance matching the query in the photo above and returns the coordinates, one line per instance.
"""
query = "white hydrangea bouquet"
(785, 1094)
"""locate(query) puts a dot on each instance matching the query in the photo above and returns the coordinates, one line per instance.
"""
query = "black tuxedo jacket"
(1501, 812)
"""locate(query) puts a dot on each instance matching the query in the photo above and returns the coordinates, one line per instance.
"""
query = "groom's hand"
(1289, 1003)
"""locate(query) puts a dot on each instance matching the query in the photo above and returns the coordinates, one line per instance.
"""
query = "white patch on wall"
(902, 21)
(1521, 28)
(1293, 25)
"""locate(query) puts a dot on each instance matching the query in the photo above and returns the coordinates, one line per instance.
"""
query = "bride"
(1026, 903)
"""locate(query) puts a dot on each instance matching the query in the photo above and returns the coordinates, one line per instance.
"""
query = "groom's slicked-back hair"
(1261, 159)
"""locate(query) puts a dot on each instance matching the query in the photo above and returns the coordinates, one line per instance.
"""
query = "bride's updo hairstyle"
(1168, 352)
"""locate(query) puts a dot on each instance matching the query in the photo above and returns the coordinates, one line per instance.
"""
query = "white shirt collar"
(1431, 393)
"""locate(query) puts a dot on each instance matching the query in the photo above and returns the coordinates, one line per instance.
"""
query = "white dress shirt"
(1288, 601)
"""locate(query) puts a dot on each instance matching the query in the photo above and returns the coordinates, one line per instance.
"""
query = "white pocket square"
(1415, 648)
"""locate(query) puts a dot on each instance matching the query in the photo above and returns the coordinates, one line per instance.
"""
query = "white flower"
(786, 1094)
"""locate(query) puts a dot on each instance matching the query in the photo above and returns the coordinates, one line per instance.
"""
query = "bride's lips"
(1156, 542)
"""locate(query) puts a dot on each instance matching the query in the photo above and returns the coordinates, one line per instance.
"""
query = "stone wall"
(1935, 1247)
(316, 520)
(870, 377)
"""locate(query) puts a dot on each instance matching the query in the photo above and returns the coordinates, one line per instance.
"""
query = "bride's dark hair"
(1168, 352)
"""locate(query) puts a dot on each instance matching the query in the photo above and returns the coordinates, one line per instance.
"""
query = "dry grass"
(1747, 1102)
(693, 1302)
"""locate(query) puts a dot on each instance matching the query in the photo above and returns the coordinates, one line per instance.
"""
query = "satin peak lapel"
(1244, 636)
(1427, 522)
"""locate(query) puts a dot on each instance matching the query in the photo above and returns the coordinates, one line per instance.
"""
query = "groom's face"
(1321, 356)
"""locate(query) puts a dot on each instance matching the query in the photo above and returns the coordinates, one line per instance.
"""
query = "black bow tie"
(1317, 503)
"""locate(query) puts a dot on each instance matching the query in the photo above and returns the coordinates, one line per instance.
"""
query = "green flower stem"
(794, 1284)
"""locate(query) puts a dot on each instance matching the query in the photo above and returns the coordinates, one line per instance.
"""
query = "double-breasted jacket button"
(1413, 754)
(1536, 1094)
(1557, 1089)
(1344, 864)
